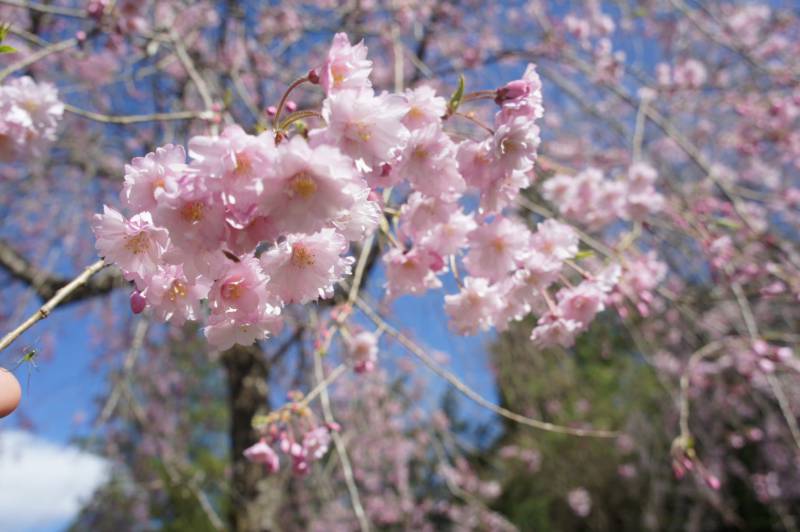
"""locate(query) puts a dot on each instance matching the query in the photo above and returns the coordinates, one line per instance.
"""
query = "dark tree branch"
(46, 284)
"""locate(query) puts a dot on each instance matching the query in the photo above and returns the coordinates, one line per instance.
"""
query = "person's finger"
(10, 392)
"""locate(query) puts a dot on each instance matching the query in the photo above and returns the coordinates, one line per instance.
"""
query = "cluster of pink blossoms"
(250, 224)
(29, 115)
(296, 433)
(592, 200)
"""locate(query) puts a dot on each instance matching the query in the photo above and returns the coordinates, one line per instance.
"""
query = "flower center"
(302, 256)
(137, 243)
(499, 245)
(232, 289)
(337, 73)
(420, 153)
(303, 185)
(243, 164)
(362, 131)
(193, 211)
(176, 290)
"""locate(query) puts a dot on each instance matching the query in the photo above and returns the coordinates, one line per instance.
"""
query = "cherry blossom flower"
(555, 239)
(365, 126)
(262, 453)
(429, 163)
(241, 287)
(135, 245)
(304, 268)
(474, 307)
(310, 187)
(496, 248)
(224, 330)
(29, 115)
(346, 66)
(424, 107)
(581, 303)
(410, 272)
(362, 351)
(161, 169)
(552, 329)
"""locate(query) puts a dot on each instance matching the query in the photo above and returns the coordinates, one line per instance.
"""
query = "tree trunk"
(255, 497)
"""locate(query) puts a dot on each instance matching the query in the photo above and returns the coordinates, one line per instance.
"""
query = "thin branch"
(34, 57)
(48, 307)
(44, 8)
(341, 449)
(468, 392)
(137, 119)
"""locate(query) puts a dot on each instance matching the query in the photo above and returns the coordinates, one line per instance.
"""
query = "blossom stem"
(298, 115)
(296, 83)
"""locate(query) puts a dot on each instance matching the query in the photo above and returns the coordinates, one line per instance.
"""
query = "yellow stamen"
(303, 185)
(301, 256)
(193, 211)
(176, 290)
(137, 243)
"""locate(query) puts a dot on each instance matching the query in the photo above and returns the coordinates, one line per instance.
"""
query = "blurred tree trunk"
(255, 497)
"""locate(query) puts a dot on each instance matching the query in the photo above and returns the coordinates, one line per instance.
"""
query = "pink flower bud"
(713, 482)
(313, 76)
(512, 91)
(138, 302)
(291, 106)
(271, 110)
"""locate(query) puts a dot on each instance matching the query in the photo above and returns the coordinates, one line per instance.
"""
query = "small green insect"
(28, 357)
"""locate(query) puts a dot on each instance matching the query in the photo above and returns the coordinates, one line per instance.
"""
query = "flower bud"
(138, 302)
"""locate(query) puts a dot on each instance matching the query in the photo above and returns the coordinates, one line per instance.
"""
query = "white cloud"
(43, 484)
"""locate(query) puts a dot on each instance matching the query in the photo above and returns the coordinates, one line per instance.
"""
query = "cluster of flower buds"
(295, 432)
(254, 223)
(29, 114)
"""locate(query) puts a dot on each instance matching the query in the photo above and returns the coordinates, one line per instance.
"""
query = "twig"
(468, 392)
(40, 54)
(341, 450)
(44, 8)
(136, 119)
(48, 307)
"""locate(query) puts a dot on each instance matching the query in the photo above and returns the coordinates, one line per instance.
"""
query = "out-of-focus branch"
(41, 54)
(135, 119)
(471, 394)
(44, 8)
(341, 449)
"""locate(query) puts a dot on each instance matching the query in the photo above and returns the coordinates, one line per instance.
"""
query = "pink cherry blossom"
(424, 107)
(365, 126)
(346, 66)
(29, 115)
(304, 268)
(160, 169)
(241, 287)
(496, 248)
(474, 307)
(135, 245)
(362, 351)
(410, 272)
(261, 453)
(429, 163)
(309, 187)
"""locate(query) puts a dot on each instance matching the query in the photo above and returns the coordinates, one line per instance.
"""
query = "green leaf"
(458, 95)
(6, 49)
(585, 254)
(4, 27)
